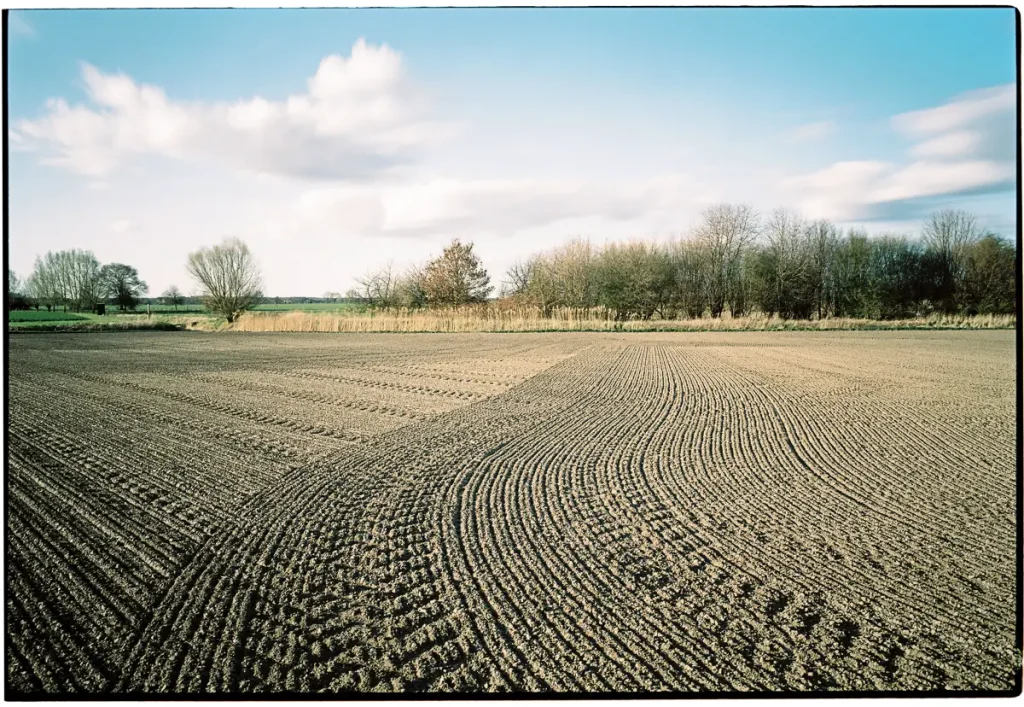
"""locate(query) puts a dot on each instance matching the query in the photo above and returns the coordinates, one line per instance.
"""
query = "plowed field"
(530, 512)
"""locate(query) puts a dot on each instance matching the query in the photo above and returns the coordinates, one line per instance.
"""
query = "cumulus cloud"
(359, 116)
(457, 206)
(812, 132)
(966, 146)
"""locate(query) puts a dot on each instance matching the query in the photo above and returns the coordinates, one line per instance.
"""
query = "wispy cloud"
(503, 207)
(962, 111)
(955, 144)
(965, 146)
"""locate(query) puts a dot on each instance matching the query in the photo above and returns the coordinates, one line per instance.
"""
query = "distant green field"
(30, 315)
(162, 308)
(86, 321)
(307, 307)
(33, 320)
(199, 309)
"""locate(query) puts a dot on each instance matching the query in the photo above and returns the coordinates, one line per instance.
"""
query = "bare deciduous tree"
(541, 284)
(690, 274)
(822, 244)
(573, 267)
(68, 278)
(785, 264)
(409, 288)
(378, 287)
(951, 231)
(229, 277)
(725, 232)
(41, 286)
(634, 279)
(82, 272)
(563, 277)
(13, 283)
(517, 280)
(16, 298)
(172, 296)
(991, 276)
(948, 237)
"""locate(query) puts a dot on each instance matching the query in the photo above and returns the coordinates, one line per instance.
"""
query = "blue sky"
(333, 140)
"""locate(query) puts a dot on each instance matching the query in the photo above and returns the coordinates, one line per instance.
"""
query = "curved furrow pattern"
(542, 513)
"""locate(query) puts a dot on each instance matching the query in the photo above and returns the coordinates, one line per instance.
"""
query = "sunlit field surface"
(194, 513)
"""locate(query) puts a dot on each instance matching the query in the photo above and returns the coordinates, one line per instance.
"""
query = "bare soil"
(490, 512)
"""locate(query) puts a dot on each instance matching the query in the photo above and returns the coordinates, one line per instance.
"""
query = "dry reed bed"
(565, 512)
(495, 319)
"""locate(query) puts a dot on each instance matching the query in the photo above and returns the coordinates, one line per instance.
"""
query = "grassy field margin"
(87, 322)
(479, 320)
(453, 321)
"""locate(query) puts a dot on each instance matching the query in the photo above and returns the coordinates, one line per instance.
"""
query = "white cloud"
(812, 132)
(923, 179)
(954, 144)
(979, 125)
(964, 146)
(964, 110)
(864, 190)
(838, 191)
(359, 117)
(121, 226)
(844, 175)
(502, 207)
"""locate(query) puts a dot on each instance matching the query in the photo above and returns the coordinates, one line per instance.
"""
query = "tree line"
(734, 261)
(74, 279)
(227, 274)
(456, 277)
(782, 266)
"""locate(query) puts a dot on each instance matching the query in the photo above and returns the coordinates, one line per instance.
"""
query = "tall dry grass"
(501, 319)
